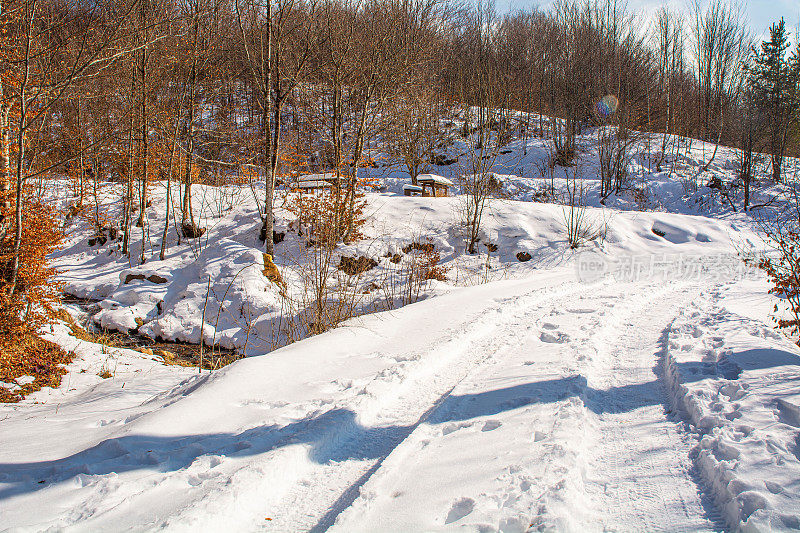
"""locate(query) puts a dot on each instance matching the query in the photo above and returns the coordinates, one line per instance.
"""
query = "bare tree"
(276, 41)
(414, 129)
(52, 51)
(670, 42)
(721, 42)
(482, 146)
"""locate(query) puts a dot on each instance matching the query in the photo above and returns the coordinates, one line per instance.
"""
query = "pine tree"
(794, 75)
(773, 79)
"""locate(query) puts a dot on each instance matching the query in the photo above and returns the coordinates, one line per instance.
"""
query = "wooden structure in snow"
(433, 185)
(315, 182)
(412, 190)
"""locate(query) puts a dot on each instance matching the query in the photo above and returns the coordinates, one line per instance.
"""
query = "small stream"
(184, 353)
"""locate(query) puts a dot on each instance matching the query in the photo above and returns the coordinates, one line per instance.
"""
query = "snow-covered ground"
(543, 402)
(635, 384)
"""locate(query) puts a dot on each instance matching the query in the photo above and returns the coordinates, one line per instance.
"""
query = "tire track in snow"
(640, 477)
(303, 495)
(346, 438)
(321, 496)
(546, 490)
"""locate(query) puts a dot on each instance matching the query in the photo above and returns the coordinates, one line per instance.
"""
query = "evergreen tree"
(794, 74)
(773, 79)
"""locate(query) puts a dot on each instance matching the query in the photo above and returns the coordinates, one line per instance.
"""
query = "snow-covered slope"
(165, 299)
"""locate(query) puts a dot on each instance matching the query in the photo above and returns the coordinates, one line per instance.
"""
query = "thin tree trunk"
(162, 254)
(81, 173)
(144, 155)
(20, 175)
(187, 215)
(128, 197)
(270, 148)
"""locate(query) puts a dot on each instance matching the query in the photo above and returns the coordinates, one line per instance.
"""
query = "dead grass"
(173, 359)
(104, 338)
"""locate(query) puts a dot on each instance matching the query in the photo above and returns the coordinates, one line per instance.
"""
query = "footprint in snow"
(460, 509)
(581, 310)
(554, 338)
(773, 487)
(733, 391)
(788, 413)
(195, 480)
(261, 404)
(341, 385)
(131, 418)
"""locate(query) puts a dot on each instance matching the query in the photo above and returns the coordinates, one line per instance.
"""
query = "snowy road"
(560, 422)
(537, 404)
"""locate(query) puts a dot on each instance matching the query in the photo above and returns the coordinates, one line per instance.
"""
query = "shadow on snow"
(337, 435)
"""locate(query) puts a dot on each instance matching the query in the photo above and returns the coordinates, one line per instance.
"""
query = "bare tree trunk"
(353, 171)
(188, 227)
(144, 154)
(128, 195)
(21, 131)
(169, 188)
(270, 148)
(5, 152)
(5, 139)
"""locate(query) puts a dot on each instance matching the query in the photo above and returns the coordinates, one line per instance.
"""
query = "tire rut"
(643, 478)
(318, 514)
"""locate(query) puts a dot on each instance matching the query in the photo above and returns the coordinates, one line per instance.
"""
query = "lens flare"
(607, 106)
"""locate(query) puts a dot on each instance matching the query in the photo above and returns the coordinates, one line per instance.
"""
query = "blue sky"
(759, 13)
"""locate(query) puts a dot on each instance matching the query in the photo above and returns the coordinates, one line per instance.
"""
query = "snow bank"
(736, 381)
(226, 278)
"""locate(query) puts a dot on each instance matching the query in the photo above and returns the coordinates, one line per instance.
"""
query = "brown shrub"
(25, 303)
(422, 247)
(30, 355)
(428, 263)
(356, 265)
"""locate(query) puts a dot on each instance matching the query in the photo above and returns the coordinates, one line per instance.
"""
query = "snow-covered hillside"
(222, 270)
(633, 384)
